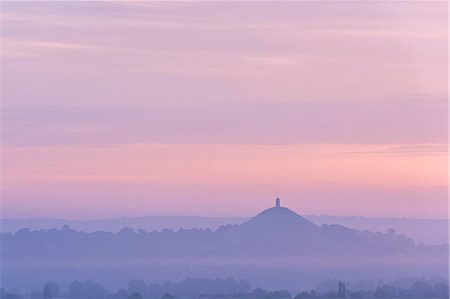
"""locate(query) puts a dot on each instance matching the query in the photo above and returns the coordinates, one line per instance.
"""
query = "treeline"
(223, 289)
(332, 240)
(137, 289)
(419, 290)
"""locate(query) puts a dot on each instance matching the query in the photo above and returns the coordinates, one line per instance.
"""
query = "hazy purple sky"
(133, 108)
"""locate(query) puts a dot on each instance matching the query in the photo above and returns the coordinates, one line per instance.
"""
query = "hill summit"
(279, 219)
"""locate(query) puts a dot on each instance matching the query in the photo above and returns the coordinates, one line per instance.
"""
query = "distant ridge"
(272, 231)
(277, 240)
(418, 229)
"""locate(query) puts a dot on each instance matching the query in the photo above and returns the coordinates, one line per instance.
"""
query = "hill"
(427, 231)
(277, 240)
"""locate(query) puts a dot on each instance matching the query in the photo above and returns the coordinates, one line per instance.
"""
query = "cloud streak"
(339, 106)
(230, 122)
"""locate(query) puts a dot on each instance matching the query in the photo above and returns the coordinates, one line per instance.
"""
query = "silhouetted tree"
(167, 296)
(6, 295)
(341, 289)
(135, 295)
(421, 288)
(357, 295)
(47, 292)
(441, 290)
(280, 294)
(120, 294)
(303, 295)
(86, 289)
(50, 290)
(259, 293)
(386, 291)
(137, 286)
(154, 290)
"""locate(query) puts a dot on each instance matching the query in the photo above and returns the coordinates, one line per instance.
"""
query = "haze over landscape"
(277, 239)
(144, 144)
(418, 229)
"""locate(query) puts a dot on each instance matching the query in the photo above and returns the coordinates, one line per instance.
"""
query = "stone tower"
(277, 203)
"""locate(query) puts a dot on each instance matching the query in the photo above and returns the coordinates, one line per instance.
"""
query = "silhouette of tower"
(277, 203)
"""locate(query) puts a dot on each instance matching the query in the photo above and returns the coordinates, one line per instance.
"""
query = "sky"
(215, 108)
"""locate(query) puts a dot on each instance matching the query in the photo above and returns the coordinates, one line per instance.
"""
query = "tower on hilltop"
(277, 203)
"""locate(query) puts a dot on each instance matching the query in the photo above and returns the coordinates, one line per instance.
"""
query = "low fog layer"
(232, 289)
(276, 249)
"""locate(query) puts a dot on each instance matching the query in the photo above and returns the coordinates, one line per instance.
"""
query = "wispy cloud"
(408, 149)
(336, 104)
(233, 122)
(30, 48)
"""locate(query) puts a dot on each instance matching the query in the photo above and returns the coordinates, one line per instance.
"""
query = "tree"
(303, 295)
(50, 290)
(167, 296)
(341, 289)
(135, 295)
(421, 288)
(137, 286)
(86, 289)
(279, 294)
(391, 232)
(47, 292)
(440, 290)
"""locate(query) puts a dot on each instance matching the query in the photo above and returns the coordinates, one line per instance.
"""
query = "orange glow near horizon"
(289, 169)
(216, 108)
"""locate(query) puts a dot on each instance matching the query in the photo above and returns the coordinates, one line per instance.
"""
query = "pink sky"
(196, 108)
